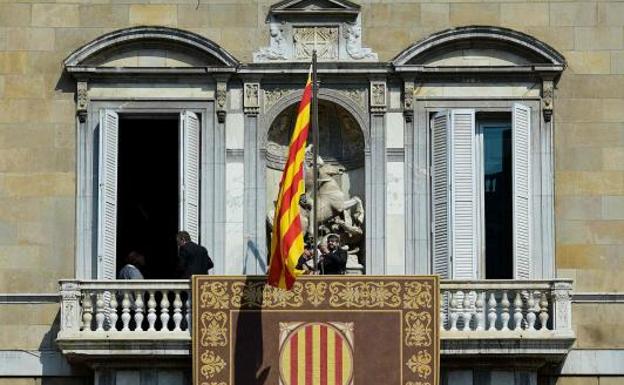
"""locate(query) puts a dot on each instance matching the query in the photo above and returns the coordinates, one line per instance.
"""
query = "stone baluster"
(164, 312)
(138, 311)
(453, 314)
(480, 310)
(543, 316)
(491, 304)
(505, 311)
(467, 311)
(112, 314)
(189, 312)
(87, 311)
(531, 311)
(125, 312)
(177, 312)
(518, 311)
(100, 313)
(151, 311)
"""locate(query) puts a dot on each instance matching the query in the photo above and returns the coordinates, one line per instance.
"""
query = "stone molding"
(414, 54)
(170, 35)
(29, 298)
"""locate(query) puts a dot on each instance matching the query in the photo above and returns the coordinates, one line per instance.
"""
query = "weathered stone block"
(582, 158)
(191, 16)
(153, 15)
(577, 380)
(575, 207)
(573, 14)
(525, 14)
(104, 15)
(595, 325)
(435, 14)
(233, 15)
(613, 158)
(579, 256)
(381, 15)
(612, 13)
(560, 37)
(15, 15)
(589, 183)
(598, 38)
(617, 62)
(55, 15)
(475, 13)
(13, 62)
(37, 185)
(613, 207)
(30, 39)
(589, 62)
(24, 86)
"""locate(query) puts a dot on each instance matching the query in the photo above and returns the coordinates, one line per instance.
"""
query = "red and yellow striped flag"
(287, 236)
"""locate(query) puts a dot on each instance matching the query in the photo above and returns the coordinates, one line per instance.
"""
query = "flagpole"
(315, 142)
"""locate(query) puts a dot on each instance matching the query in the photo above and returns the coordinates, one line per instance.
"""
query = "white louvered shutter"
(107, 200)
(521, 128)
(440, 182)
(189, 172)
(463, 194)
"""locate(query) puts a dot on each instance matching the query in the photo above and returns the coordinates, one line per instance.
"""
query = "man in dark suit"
(334, 259)
(194, 258)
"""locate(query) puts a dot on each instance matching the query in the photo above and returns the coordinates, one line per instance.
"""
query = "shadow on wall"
(54, 366)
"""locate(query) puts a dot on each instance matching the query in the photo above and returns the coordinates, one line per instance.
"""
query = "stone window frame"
(543, 67)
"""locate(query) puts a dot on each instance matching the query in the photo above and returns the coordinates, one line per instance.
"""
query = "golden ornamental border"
(414, 296)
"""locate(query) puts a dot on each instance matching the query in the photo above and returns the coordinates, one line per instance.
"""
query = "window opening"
(496, 186)
(148, 192)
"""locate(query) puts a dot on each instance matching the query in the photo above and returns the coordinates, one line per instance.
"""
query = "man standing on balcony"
(193, 258)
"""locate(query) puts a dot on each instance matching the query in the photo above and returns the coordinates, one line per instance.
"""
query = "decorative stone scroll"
(548, 95)
(249, 332)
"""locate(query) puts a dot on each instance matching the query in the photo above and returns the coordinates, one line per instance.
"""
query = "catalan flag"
(287, 236)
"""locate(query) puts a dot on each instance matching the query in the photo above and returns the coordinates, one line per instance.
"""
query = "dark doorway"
(147, 195)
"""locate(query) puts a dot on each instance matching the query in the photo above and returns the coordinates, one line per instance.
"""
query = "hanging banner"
(330, 330)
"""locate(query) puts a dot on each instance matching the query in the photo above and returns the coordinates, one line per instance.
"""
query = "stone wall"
(37, 129)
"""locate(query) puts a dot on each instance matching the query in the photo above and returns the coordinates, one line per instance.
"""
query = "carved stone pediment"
(318, 7)
(331, 27)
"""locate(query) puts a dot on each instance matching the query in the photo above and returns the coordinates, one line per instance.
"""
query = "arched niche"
(342, 148)
(150, 47)
(480, 46)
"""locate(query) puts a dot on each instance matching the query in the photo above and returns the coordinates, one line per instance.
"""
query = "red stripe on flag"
(323, 355)
(309, 358)
(294, 350)
(338, 354)
(306, 97)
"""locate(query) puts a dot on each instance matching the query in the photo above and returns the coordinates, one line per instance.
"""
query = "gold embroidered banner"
(327, 330)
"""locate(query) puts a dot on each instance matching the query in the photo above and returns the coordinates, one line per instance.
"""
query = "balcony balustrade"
(153, 317)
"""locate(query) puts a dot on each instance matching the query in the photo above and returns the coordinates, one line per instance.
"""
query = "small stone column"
(254, 188)
(376, 179)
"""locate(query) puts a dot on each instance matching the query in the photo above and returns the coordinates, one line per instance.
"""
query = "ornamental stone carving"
(352, 33)
(82, 100)
(333, 30)
(251, 98)
(378, 96)
(548, 94)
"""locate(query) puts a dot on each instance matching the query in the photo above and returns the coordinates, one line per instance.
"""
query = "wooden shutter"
(521, 128)
(463, 194)
(107, 199)
(440, 182)
(189, 172)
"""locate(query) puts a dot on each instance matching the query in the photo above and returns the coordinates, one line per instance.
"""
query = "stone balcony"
(530, 319)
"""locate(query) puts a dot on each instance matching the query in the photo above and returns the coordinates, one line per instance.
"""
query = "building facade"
(481, 141)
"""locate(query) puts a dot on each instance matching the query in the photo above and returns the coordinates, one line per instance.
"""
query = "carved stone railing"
(153, 317)
(506, 316)
(147, 317)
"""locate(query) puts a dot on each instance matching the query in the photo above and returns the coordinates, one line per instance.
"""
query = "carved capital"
(221, 97)
(408, 100)
(251, 98)
(378, 96)
(548, 96)
(82, 100)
